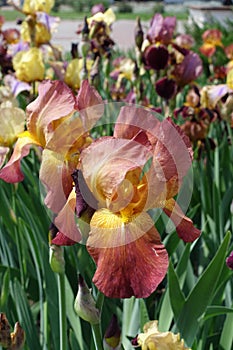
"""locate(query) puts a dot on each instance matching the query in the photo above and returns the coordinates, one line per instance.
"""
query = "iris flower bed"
(116, 186)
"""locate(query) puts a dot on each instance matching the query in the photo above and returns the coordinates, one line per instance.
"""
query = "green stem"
(62, 311)
(99, 301)
(96, 328)
(97, 336)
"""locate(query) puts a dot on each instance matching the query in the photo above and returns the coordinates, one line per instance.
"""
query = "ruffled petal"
(105, 163)
(55, 174)
(90, 104)
(65, 220)
(130, 258)
(134, 120)
(11, 172)
(184, 226)
(55, 101)
(172, 152)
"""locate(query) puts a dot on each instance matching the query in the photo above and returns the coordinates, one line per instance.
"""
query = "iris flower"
(106, 18)
(12, 122)
(53, 122)
(153, 339)
(212, 94)
(211, 39)
(45, 25)
(29, 65)
(71, 72)
(33, 6)
(117, 182)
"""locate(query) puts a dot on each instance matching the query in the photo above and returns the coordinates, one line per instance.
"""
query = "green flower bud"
(138, 34)
(56, 259)
(84, 304)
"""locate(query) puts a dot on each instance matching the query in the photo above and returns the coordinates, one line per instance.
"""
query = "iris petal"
(136, 264)
(53, 96)
(65, 221)
(184, 226)
(11, 171)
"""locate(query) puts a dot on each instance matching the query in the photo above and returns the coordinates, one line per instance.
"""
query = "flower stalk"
(57, 264)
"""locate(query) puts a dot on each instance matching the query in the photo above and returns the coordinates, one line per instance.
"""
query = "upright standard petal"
(126, 269)
(189, 69)
(172, 152)
(133, 121)
(55, 101)
(90, 104)
(116, 157)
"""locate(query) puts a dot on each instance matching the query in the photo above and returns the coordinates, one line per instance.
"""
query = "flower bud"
(138, 34)
(84, 304)
(56, 259)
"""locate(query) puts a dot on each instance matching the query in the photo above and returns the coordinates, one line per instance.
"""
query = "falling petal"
(126, 269)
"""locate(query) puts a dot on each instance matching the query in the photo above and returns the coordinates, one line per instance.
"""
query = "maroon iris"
(166, 88)
(156, 57)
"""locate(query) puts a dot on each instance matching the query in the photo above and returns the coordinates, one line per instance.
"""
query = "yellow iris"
(28, 65)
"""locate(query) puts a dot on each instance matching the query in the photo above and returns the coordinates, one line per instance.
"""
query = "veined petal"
(63, 240)
(184, 226)
(55, 174)
(132, 120)
(11, 171)
(172, 152)
(105, 163)
(55, 101)
(130, 258)
(90, 104)
(65, 220)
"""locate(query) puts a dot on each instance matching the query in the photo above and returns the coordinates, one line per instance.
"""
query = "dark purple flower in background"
(188, 70)
(156, 57)
(166, 88)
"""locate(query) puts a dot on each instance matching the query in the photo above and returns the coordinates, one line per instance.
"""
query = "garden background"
(187, 79)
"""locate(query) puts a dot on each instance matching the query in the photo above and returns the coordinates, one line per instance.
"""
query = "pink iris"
(139, 168)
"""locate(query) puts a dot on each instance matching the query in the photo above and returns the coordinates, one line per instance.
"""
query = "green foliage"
(124, 7)
(194, 299)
